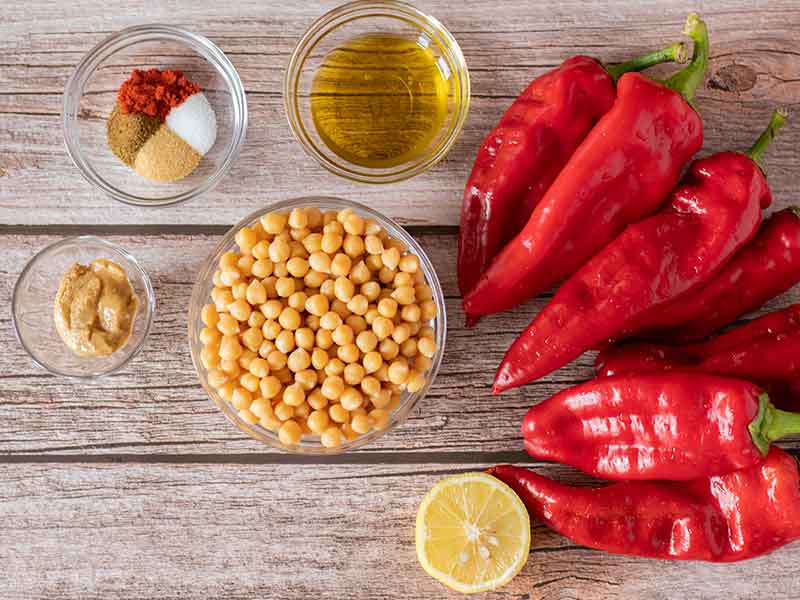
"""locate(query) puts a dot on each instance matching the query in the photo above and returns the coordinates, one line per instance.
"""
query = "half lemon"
(473, 533)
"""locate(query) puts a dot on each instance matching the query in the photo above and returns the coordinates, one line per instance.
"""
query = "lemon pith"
(472, 532)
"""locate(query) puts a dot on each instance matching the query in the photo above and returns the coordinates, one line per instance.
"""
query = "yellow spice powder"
(166, 157)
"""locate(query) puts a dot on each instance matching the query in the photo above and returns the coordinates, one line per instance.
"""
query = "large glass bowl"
(201, 295)
(91, 94)
(354, 19)
(35, 293)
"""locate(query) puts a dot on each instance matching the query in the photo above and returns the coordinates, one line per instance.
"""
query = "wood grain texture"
(754, 68)
(282, 532)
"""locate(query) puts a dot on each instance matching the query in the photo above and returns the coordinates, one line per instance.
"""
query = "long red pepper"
(522, 155)
(724, 518)
(673, 426)
(765, 351)
(709, 217)
(764, 268)
(622, 172)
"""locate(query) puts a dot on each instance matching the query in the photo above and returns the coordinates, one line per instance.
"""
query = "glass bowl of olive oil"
(377, 91)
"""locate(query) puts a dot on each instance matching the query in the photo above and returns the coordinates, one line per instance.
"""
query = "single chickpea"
(332, 387)
(222, 299)
(209, 356)
(209, 335)
(374, 262)
(354, 224)
(367, 341)
(279, 251)
(252, 339)
(348, 353)
(387, 307)
(409, 348)
(372, 362)
(331, 437)
(283, 411)
(409, 263)
(382, 399)
(294, 395)
(246, 358)
(340, 265)
(351, 399)
(398, 372)
(353, 246)
(327, 289)
(248, 417)
(271, 329)
(396, 243)
(333, 227)
(307, 379)
(353, 374)
(344, 289)
(274, 223)
(298, 218)
(340, 308)
(227, 262)
(319, 358)
(338, 413)
(379, 418)
(382, 327)
(356, 323)
(304, 338)
(285, 341)
(373, 244)
(239, 291)
(317, 305)
(331, 242)
(276, 360)
(329, 217)
(320, 262)
(285, 286)
(314, 217)
(259, 367)
(261, 408)
(290, 433)
(256, 320)
(334, 367)
(240, 310)
(390, 258)
(270, 387)
(415, 381)
(296, 250)
(427, 346)
(284, 375)
(297, 267)
(360, 424)
(423, 292)
(226, 391)
(279, 270)
(217, 378)
(360, 273)
(227, 324)
(422, 363)
(230, 366)
(216, 278)
(371, 290)
(270, 423)
(241, 398)
(245, 265)
(324, 338)
(411, 313)
(266, 347)
(318, 421)
(261, 250)
(370, 386)
(404, 295)
(358, 304)
(298, 360)
(312, 243)
(428, 310)
(230, 348)
(330, 320)
(209, 315)
(343, 335)
(316, 400)
(290, 319)
(386, 276)
(403, 280)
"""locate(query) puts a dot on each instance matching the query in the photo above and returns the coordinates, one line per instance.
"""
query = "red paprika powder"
(155, 92)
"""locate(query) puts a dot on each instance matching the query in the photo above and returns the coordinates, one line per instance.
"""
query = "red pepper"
(724, 518)
(673, 426)
(766, 267)
(521, 157)
(765, 351)
(620, 173)
(710, 216)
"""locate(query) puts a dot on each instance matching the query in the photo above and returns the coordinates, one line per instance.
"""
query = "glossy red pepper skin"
(765, 351)
(763, 269)
(709, 217)
(723, 518)
(521, 157)
(622, 172)
(672, 426)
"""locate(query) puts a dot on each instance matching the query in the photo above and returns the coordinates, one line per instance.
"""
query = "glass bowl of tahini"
(207, 135)
(377, 92)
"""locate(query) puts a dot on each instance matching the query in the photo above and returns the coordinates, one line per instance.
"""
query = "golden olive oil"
(379, 100)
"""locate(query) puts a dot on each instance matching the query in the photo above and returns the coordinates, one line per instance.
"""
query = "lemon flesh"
(473, 533)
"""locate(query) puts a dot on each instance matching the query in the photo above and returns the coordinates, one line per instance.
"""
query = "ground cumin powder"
(128, 132)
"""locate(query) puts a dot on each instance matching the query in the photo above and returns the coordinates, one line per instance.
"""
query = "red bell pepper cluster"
(579, 185)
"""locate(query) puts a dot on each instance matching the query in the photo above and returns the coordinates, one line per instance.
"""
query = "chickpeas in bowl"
(317, 325)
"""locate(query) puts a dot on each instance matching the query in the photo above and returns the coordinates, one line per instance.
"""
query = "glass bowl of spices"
(154, 115)
(330, 345)
(377, 92)
(82, 307)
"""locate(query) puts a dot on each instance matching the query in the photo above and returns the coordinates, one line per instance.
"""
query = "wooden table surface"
(136, 487)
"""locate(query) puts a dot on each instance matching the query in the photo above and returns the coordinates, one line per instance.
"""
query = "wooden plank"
(155, 405)
(753, 70)
(281, 531)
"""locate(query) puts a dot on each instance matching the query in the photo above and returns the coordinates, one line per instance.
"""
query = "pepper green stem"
(686, 81)
(771, 424)
(756, 151)
(678, 53)
(795, 210)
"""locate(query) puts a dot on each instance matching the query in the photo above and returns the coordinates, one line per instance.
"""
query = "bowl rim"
(73, 91)
(150, 300)
(198, 300)
(346, 13)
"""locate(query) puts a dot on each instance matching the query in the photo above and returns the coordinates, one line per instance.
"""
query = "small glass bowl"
(91, 94)
(201, 295)
(35, 293)
(362, 17)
